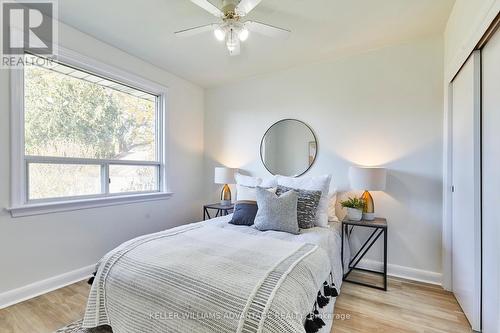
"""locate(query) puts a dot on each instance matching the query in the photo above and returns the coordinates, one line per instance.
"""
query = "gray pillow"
(307, 205)
(277, 213)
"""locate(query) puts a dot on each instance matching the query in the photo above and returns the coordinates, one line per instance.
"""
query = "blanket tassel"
(310, 326)
(333, 289)
(314, 322)
(317, 318)
(91, 280)
(328, 291)
(322, 300)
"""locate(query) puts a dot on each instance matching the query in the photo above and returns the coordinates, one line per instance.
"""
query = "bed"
(213, 276)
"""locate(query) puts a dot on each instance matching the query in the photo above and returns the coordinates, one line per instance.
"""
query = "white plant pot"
(354, 214)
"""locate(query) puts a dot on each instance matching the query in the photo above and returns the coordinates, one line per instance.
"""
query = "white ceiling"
(321, 29)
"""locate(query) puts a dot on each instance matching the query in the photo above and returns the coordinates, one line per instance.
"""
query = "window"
(85, 135)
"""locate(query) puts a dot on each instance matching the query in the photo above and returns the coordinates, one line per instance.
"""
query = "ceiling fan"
(232, 29)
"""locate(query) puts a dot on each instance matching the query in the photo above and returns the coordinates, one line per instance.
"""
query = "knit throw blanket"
(201, 278)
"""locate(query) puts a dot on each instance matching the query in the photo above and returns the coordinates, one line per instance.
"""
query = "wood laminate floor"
(406, 307)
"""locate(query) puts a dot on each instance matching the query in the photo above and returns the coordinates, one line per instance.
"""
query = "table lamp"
(368, 179)
(224, 176)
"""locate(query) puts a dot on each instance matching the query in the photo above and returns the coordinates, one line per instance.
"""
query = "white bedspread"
(215, 266)
(326, 238)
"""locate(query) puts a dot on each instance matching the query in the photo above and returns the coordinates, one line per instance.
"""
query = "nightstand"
(221, 210)
(379, 228)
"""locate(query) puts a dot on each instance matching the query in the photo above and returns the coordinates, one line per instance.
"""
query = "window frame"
(21, 205)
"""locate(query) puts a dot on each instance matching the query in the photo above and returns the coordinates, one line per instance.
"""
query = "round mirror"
(288, 148)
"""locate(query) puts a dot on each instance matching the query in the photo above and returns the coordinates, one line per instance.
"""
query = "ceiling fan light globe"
(243, 35)
(231, 45)
(220, 34)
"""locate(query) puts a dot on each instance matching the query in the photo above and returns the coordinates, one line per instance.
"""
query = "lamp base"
(368, 216)
(369, 209)
(225, 196)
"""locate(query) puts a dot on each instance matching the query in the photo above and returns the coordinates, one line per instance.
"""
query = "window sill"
(64, 206)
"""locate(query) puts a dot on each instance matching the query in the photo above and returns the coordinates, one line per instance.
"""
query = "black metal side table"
(379, 226)
(221, 210)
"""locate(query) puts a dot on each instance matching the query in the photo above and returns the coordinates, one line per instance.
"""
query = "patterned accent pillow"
(307, 205)
(277, 213)
(318, 183)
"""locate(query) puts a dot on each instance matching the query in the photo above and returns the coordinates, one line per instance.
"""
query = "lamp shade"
(224, 175)
(369, 179)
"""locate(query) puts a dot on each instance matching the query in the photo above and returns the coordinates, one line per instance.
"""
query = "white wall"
(40, 247)
(466, 25)
(382, 107)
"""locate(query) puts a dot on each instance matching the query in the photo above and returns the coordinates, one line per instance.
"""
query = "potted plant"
(354, 208)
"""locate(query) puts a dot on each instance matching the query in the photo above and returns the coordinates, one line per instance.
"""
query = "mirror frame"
(280, 121)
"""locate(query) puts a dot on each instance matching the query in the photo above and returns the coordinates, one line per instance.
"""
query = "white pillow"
(247, 180)
(255, 181)
(269, 182)
(319, 183)
(247, 193)
(332, 207)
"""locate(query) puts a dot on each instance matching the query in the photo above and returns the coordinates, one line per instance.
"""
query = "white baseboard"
(41, 287)
(403, 272)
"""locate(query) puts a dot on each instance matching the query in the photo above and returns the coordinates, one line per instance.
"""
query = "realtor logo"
(27, 27)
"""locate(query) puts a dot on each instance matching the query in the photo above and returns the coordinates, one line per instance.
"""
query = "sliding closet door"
(466, 218)
(491, 184)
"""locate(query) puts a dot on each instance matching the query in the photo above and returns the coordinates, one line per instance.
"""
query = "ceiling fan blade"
(266, 29)
(209, 7)
(246, 6)
(196, 30)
